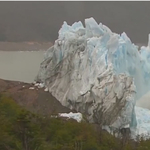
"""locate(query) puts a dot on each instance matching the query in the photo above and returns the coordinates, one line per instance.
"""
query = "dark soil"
(35, 100)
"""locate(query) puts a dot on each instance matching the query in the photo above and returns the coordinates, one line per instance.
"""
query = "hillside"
(23, 126)
(35, 100)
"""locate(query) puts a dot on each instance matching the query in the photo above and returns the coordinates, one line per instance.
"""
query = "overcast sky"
(40, 21)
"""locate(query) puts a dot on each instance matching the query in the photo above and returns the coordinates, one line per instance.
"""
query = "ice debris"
(46, 89)
(75, 116)
(39, 85)
(31, 88)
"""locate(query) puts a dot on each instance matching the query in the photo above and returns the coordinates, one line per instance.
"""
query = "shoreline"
(25, 46)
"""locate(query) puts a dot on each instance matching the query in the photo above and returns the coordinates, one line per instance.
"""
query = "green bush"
(23, 130)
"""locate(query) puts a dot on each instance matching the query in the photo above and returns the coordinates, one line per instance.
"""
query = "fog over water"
(40, 21)
(20, 66)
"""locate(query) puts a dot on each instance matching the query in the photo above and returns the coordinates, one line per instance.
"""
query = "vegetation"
(23, 130)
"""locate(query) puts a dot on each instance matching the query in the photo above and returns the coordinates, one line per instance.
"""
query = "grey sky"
(40, 21)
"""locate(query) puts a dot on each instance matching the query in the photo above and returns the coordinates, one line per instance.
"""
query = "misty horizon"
(41, 21)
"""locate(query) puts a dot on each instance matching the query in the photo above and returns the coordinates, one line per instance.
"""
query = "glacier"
(99, 73)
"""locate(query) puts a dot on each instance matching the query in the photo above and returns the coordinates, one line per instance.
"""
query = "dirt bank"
(35, 100)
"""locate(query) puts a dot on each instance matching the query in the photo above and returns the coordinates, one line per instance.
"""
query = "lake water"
(20, 65)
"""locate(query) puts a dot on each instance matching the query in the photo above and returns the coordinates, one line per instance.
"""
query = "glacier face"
(97, 72)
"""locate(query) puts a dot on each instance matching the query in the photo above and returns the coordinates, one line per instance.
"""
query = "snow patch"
(46, 89)
(31, 88)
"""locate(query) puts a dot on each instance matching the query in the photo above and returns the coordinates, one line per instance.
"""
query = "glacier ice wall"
(97, 72)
